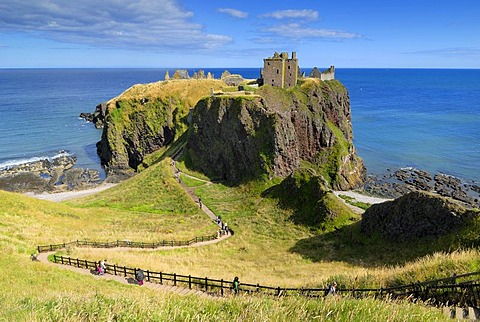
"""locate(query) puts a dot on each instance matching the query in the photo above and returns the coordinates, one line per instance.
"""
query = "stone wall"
(280, 71)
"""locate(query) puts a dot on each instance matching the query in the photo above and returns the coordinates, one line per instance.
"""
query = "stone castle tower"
(280, 70)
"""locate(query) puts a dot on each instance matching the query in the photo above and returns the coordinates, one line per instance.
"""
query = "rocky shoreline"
(56, 174)
(395, 184)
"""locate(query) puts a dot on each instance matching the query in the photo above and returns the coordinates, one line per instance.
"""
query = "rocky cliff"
(146, 118)
(276, 131)
(416, 215)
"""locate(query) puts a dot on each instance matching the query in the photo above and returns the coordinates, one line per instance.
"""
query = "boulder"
(415, 215)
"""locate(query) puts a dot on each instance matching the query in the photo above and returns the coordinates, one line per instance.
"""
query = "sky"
(212, 33)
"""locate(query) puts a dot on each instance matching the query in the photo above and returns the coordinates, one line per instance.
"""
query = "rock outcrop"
(405, 180)
(146, 118)
(235, 137)
(97, 117)
(48, 174)
(415, 215)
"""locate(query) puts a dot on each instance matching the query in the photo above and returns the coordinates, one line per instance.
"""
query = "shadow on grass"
(349, 245)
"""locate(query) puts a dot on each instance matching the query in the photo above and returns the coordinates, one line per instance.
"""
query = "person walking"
(103, 266)
(236, 285)
(332, 289)
(140, 276)
(99, 268)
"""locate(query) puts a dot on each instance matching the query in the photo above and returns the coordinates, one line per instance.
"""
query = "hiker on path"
(332, 289)
(140, 276)
(34, 257)
(99, 269)
(103, 266)
(236, 285)
(200, 202)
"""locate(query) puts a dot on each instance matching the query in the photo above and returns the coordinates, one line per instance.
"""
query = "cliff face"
(272, 132)
(146, 118)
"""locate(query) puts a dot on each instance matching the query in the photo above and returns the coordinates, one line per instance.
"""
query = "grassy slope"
(262, 250)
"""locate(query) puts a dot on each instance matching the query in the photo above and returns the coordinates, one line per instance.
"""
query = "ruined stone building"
(328, 74)
(280, 70)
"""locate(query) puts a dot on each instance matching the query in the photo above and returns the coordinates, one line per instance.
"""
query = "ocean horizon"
(421, 118)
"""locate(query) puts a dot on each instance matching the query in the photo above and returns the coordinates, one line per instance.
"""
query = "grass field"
(267, 248)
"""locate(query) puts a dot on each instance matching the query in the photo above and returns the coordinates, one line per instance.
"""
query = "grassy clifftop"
(146, 118)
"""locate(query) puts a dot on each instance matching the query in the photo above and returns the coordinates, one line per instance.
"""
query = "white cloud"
(308, 14)
(154, 24)
(298, 31)
(233, 12)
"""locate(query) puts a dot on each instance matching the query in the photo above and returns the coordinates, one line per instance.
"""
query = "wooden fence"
(458, 290)
(126, 243)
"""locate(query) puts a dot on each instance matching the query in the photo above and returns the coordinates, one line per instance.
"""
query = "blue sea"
(423, 118)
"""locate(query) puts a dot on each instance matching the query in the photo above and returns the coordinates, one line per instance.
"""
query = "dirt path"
(43, 257)
(67, 195)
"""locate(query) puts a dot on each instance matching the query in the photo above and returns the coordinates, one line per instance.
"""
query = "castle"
(282, 71)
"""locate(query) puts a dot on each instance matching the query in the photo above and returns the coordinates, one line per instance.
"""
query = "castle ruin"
(280, 70)
(328, 74)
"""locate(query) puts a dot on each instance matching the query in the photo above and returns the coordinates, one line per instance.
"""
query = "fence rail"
(127, 243)
(463, 293)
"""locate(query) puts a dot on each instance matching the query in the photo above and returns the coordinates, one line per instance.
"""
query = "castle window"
(278, 71)
(288, 67)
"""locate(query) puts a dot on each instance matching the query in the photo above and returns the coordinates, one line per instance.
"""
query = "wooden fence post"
(115, 269)
(124, 271)
(189, 281)
(54, 258)
(148, 275)
(278, 291)
(78, 262)
(62, 259)
(206, 284)
(161, 278)
(221, 286)
(69, 261)
(86, 264)
(174, 279)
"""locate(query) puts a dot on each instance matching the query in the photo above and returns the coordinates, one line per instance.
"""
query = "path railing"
(127, 243)
(441, 291)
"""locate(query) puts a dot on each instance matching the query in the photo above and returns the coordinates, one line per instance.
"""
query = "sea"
(427, 119)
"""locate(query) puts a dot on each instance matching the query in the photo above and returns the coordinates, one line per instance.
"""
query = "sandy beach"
(361, 197)
(62, 196)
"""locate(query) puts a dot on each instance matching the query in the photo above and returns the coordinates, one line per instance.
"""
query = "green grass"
(352, 201)
(268, 248)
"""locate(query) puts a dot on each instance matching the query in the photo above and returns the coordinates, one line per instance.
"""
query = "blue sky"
(211, 33)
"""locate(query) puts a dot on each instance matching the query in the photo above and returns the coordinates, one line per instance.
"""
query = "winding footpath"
(43, 257)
